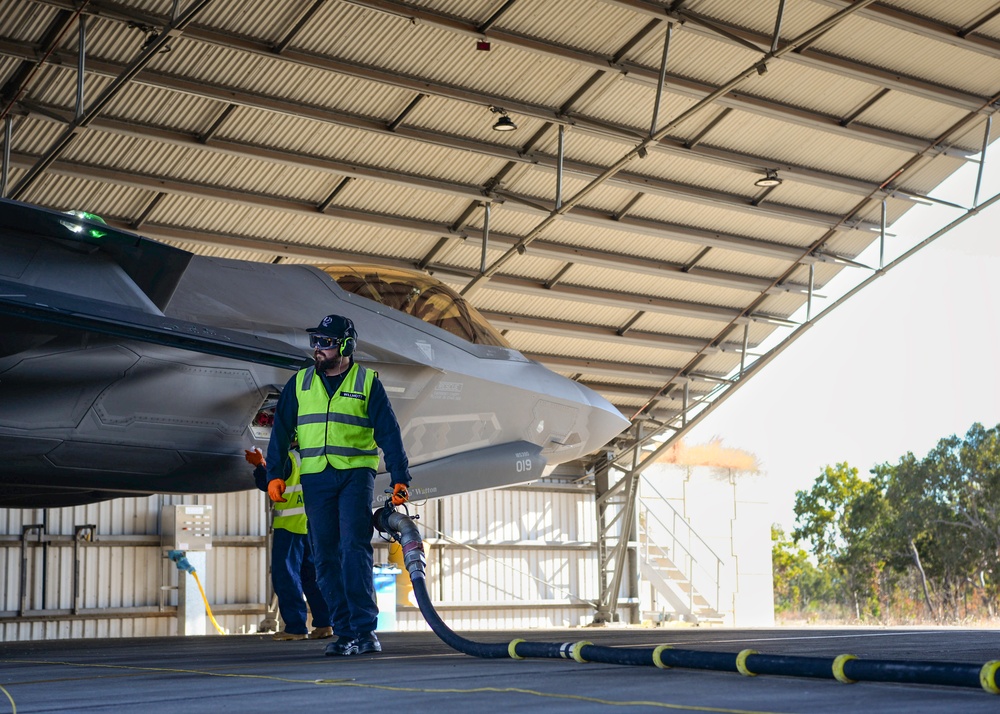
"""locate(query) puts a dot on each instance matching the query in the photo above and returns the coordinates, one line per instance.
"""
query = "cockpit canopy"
(418, 295)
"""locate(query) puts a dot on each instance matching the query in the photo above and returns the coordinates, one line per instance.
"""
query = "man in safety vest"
(342, 417)
(292, 571)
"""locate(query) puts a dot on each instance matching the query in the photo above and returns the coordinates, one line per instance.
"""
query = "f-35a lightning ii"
(130, 367)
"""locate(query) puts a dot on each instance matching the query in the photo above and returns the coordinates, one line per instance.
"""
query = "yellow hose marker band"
(656, 656)
(574, 651)
(511, 647)
(988, 676)
(838, 668)
(741, 663)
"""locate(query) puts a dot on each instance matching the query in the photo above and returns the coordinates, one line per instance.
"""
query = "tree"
(919, 530)
(798, 584)
(841, 516)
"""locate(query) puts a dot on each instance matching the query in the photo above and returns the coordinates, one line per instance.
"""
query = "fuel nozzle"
(400, 528)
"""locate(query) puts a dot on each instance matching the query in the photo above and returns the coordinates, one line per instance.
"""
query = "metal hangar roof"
(639, 194)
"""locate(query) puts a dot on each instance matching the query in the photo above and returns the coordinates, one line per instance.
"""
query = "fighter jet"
(129, 367)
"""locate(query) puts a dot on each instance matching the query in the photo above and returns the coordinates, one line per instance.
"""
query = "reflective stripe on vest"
(335, 430)
(291, 515)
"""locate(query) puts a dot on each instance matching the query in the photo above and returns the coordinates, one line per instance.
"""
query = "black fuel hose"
(844, 668)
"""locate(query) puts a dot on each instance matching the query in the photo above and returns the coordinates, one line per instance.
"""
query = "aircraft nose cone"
(604, 421)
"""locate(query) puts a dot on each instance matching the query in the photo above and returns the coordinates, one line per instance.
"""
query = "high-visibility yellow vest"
(291, 515)
(336, 430)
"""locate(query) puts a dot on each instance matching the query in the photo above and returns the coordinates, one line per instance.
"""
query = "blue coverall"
(293, 574)
(338, 506)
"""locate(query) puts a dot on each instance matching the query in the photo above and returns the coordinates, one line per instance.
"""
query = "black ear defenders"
(350, 340)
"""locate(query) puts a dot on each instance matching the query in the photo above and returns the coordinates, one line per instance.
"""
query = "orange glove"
(276, 487)
(255, 457)
(399, 494)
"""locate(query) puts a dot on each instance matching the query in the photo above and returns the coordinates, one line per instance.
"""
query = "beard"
(325, 363)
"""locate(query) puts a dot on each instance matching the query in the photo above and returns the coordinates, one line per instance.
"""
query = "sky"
(911, 359)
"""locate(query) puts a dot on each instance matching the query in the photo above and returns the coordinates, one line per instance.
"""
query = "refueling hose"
(182, 563)
(844, 668)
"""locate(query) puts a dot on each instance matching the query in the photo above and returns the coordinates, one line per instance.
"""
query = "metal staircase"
(681, 568)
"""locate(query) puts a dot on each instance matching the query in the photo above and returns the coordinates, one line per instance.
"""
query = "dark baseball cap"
(334, 326)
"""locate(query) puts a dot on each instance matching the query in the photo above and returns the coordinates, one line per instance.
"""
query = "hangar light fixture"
(771, 179)
(504, 123)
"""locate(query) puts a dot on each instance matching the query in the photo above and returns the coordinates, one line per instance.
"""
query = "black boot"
(367, 643)
(344, 645)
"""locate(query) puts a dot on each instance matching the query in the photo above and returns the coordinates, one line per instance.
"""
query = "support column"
(192, 618)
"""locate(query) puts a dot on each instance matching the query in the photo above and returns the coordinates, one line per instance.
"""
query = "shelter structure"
(647, 196)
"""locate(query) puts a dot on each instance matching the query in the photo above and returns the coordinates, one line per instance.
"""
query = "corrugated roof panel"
(160, 8)
(588, 25)
(801, 195)
(850, 244)
(956, 14)
(621, 240)
(427, 51)
(660, 286)
(468, 119)
(760, 16)
(743, 263)
(263, 19)
(727, 220)
(783, 304)
(721, 363)
(25, 21)
(586, 146)
(394, 199)
(191, 164)
(275, 76)
(34, 136)
(7, 66)
(597, 382)
(476, 10)
(806, 146)
(357, 146)
(534, 305)
(929, 171)
(798, 85)
(656, 287)
(541, 184)
(907, 114)
(823, 273)
(468, 254)
(630, 104)
(897, 50)
(692, 171)
(990, 29)
(55, 85)
(302, 229)
(698, 56)
(110, 40)
(588, 348)
(69, 193)
(154, 106)
(508, 217)
(210, 251)
(659, 323)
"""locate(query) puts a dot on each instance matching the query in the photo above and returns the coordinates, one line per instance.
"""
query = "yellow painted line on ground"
(390, 688)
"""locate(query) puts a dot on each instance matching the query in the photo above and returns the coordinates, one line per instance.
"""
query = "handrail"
(650, 520)
(666, 501)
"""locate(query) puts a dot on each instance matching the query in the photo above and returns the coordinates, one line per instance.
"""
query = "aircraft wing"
(41, 305)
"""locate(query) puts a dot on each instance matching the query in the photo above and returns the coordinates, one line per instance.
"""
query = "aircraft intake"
(845, 668)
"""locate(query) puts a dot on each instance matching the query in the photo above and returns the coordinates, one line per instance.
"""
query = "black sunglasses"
(322, 342)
